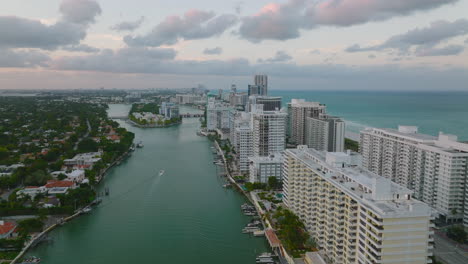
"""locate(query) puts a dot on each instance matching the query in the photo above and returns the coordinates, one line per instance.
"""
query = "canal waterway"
(183, 216)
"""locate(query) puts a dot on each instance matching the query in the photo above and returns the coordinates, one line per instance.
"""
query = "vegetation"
(351, 144)
(292, 232)
(273, 183)
(457, 233)
(30, 225)
(254, 186)
(150, 108)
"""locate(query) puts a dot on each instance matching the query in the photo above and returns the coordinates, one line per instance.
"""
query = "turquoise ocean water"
(430, 111)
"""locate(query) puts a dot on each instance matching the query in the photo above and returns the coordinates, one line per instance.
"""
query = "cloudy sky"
(300, 44)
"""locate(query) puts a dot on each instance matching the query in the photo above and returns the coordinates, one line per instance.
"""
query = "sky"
(400, 45)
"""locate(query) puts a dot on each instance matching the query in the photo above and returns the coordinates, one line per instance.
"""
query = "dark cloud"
(280, 56)
(423, 39)
(22, 59)
(126, 59)
(284, 21)
(81, 48)
(25, 33)
(128, 25)
(213, 51)
(148, 62)
(195, 24)
(16, 32)
(444, 51)
(80, 11)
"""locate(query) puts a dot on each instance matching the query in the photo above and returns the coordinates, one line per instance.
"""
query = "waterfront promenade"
(184, 216)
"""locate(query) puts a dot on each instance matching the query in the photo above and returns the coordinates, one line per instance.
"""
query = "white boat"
(161, 172)
(87, 209)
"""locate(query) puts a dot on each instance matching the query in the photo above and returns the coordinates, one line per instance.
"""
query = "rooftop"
(6, 227)
(385, 196)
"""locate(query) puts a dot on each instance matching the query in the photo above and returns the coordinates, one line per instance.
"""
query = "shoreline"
(151, 126)
(67, 219)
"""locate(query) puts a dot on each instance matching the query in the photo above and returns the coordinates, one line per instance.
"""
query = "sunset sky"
(300, 44)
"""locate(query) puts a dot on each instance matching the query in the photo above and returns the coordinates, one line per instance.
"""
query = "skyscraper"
(325, 133)
(269, 132)
(298, 111)
(354, 215)
(434, 167)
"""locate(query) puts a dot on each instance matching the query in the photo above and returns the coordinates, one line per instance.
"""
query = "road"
(448, 253)
(85, 136)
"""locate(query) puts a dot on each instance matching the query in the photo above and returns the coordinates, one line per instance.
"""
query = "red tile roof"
(54, 184)
(7, 227)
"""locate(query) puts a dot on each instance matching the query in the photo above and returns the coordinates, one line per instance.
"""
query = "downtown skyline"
(302, 45)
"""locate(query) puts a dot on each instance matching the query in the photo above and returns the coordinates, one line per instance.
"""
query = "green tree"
(457, 233)
(4, 153)
(88, 145)
(273, 182)
(36, 178)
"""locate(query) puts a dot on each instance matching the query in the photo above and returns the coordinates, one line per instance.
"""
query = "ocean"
(432, 112)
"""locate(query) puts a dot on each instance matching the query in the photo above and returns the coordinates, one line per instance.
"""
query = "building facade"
(434, 167)
(218, 115)
(262, 168)
(298, 111)
(169, 110)
(269, 132)
(354, 215)
(325, 133)
(270, 103)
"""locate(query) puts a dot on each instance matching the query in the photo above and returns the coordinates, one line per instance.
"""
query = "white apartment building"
(356, 216)
(325, 133)
(435, 168)
(269, 132)
(298, 111)
(218, 115)
(262, 168)
(188, 98)
(244, 146)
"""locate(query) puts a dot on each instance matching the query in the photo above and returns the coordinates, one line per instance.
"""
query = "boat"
(161, 172)
(30, 260)
(265, 260)
(227, 185)
(265, 255)
(139, 144)
(86, 210)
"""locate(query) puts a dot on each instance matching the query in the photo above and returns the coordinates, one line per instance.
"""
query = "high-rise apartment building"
(218, 115)
(241, 139)
(269, 132)
(354, 215)
(261, 80)
(325, 133)
(258, 90)
(270, 103)
(434, 167)
(298, 111)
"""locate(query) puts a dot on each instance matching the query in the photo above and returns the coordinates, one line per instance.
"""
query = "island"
(152, 115)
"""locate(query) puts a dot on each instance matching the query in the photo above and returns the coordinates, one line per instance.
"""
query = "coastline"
(77, 213)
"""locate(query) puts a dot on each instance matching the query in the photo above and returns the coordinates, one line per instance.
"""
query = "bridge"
(119, 117)
(188, 115)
